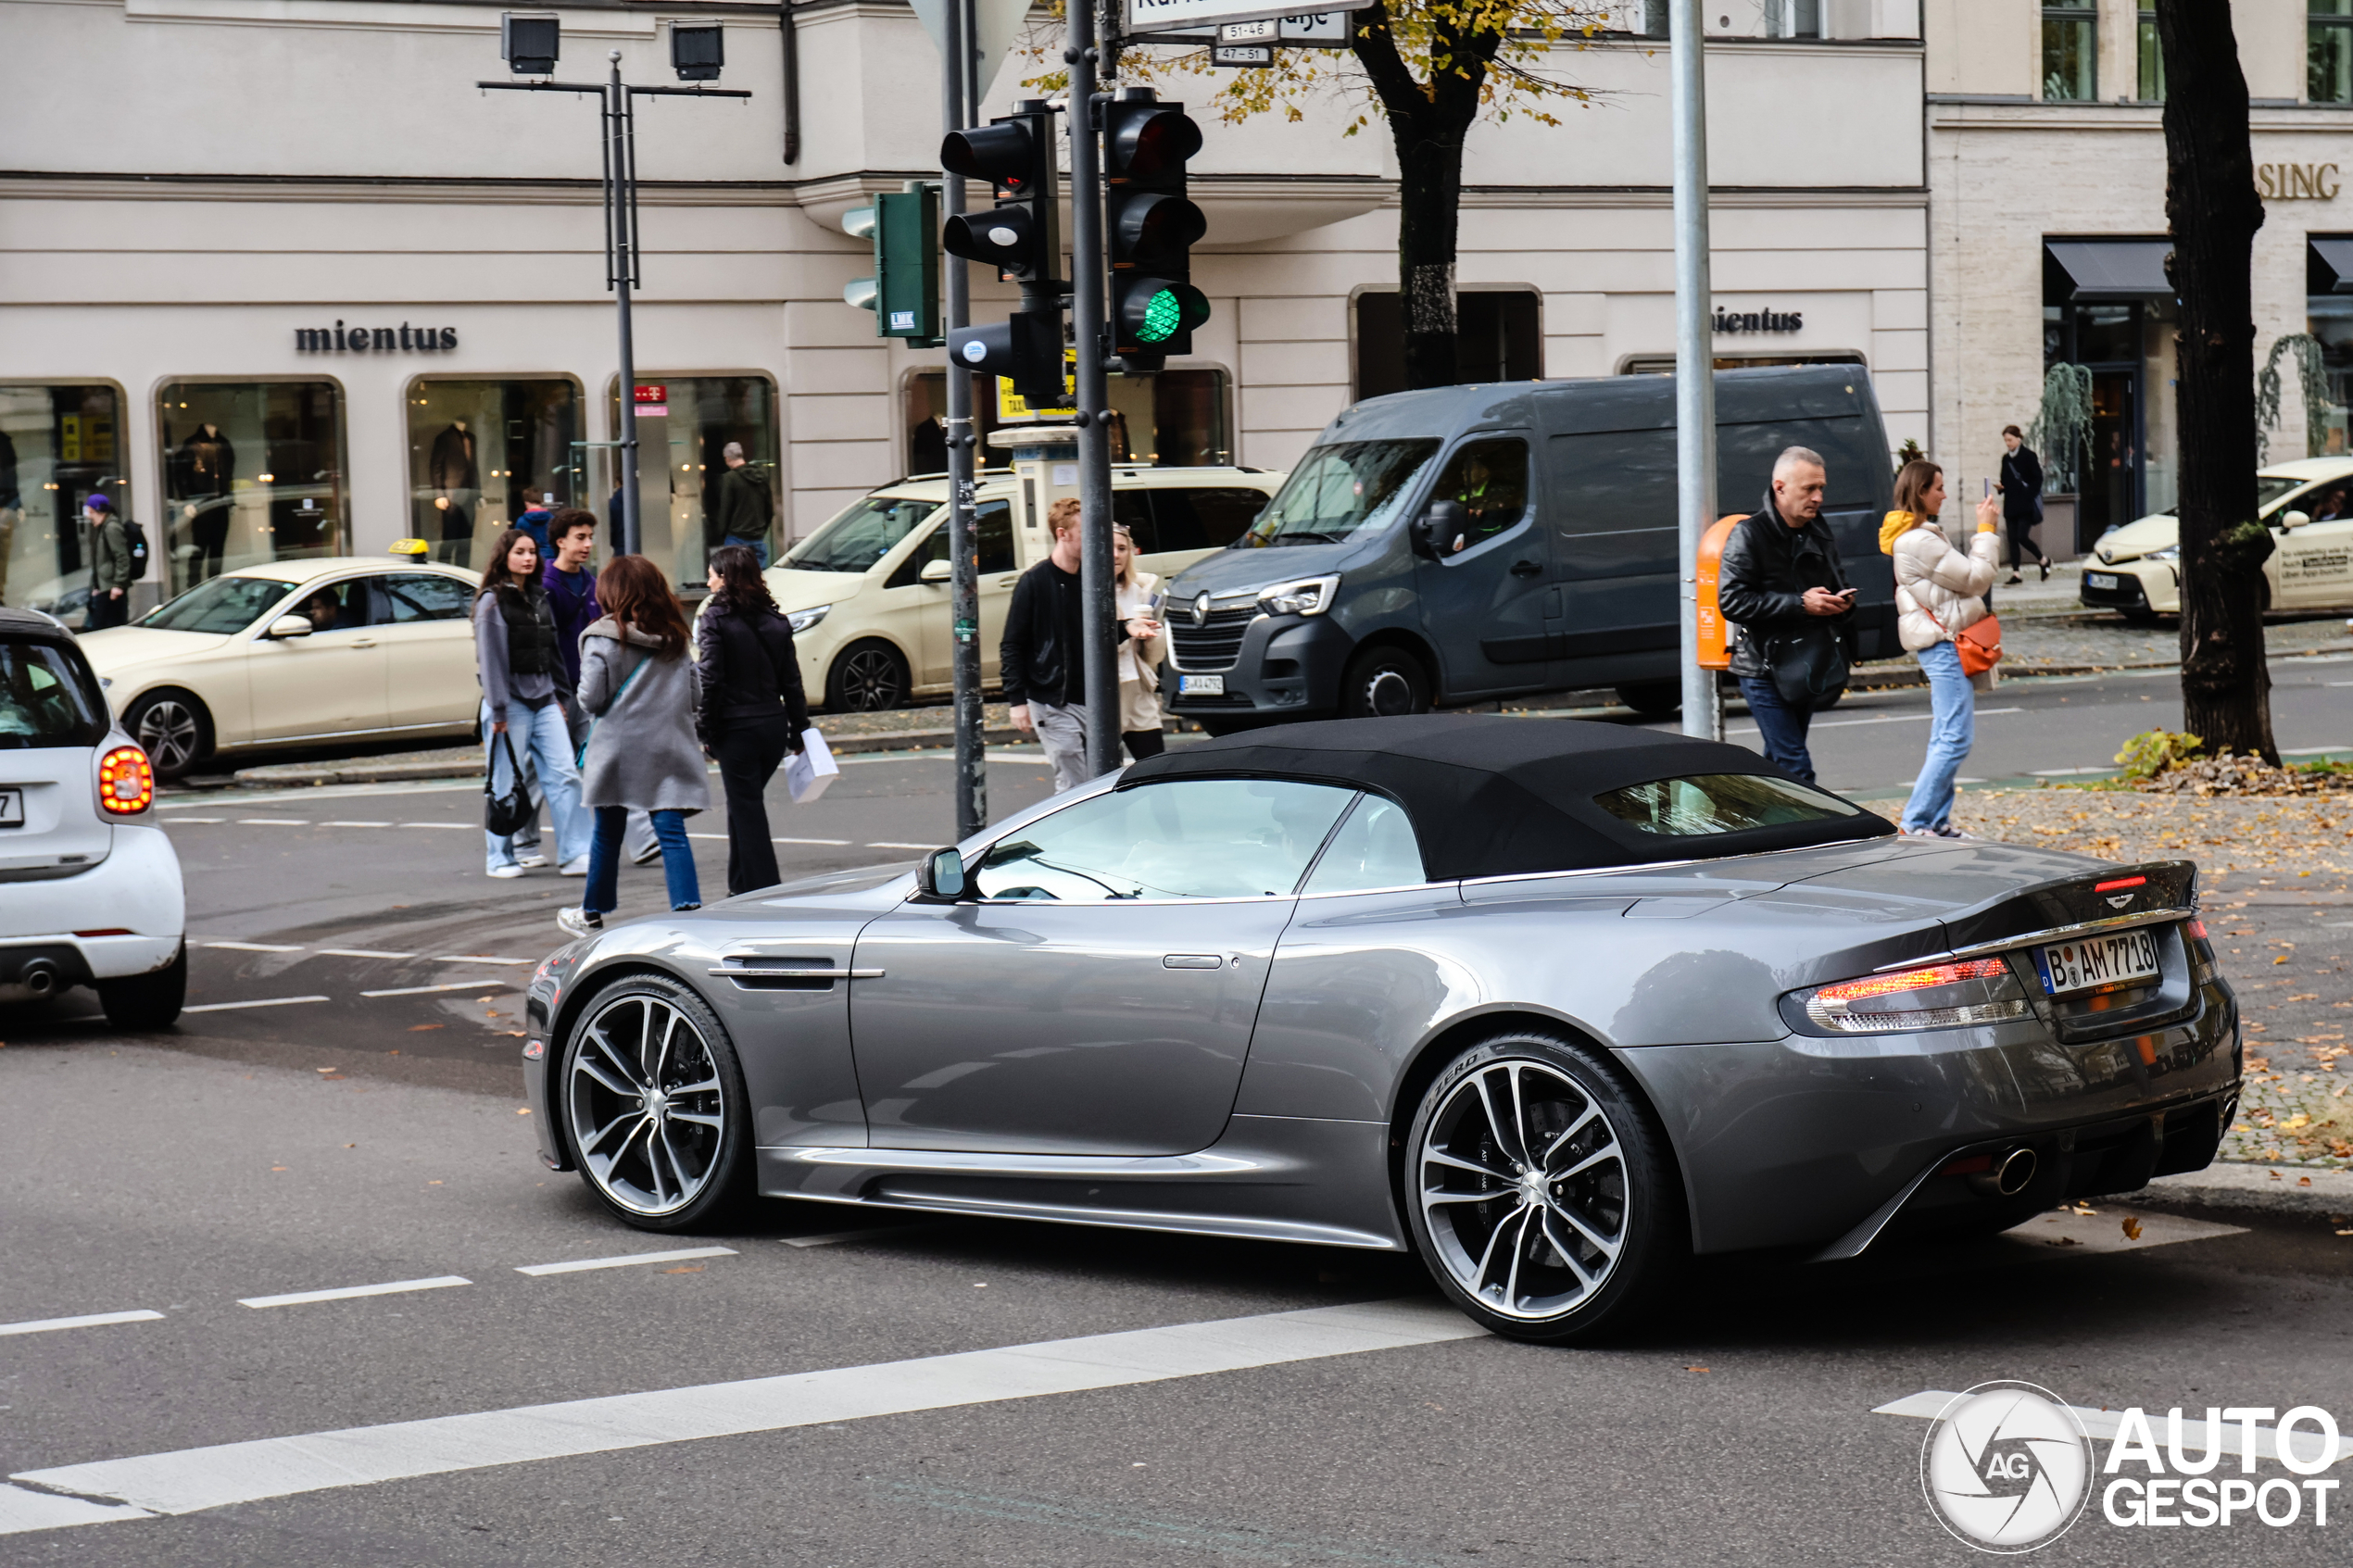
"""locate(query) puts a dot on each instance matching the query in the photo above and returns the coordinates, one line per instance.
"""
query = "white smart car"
(90, 889)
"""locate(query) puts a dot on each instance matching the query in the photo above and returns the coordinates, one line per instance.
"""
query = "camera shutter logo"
(2006, 1467)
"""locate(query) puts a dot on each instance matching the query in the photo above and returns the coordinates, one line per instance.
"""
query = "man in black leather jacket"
(1781, 575)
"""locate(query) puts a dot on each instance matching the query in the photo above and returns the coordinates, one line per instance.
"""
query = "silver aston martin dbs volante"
(1555, 1005)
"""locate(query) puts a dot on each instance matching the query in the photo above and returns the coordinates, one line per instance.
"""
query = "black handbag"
(510, 812)
(1809, 665)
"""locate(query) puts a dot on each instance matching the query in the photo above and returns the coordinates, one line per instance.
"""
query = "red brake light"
(1913, 980)
(126, 782)
(2197, 929)
(2122, 882)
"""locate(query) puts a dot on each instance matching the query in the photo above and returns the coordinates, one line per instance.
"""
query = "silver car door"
(1099, 996)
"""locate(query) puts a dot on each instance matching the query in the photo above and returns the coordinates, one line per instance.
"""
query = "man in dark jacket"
(111, 568)
(1780, 583)
(572, 595)
(746, 509)
(2022, 489)
(1042, 661)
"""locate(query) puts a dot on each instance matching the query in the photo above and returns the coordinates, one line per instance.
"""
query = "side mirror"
(2294, 519)
(290, 626)
(941, 876)
(1437, 528)
(935, 572)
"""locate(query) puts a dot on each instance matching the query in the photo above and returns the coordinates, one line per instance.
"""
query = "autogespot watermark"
(2010, 1467)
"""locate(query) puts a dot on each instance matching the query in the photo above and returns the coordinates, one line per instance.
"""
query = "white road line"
(264, 1002)
(360, 953)
(1881, 719)
(22, 1511)
(356, 824)
(478, 958)
(2066, 772)
(199, 819)
(252, 947)
(469, 826)
(2317, 750)
(304, 1298)
(191, 1479)
(886, 1233)
(580, 1265)
(423, 990)
(1932, 1404)
(273, 822)
(890, 844)
(721, 837)
(843, 842)
(43, 1326)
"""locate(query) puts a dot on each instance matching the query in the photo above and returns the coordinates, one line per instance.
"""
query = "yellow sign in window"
(1011, 406)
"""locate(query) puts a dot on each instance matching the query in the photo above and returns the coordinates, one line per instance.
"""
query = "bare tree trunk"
(2213, 210)
(1427, 125)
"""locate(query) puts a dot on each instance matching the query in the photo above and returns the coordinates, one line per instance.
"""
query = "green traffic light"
(1163, 313)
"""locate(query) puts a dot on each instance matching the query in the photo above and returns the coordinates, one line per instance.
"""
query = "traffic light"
(1020, 236)
(1026, 349)
(904, 292)
(1151, 228)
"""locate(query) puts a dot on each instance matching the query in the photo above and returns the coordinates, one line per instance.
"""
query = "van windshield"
(859, 537)
(1340, 490)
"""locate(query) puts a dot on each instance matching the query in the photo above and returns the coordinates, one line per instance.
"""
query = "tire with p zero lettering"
(651, 1098)
(1541, 1192)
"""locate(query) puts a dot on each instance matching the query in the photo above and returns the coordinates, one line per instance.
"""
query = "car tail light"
(1944, 996)
(126, 780)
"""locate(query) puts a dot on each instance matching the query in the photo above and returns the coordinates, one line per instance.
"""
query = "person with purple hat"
(111, 568)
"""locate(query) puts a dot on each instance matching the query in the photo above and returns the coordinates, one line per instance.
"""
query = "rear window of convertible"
(1712, 803)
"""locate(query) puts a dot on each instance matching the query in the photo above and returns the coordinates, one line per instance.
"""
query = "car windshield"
(855, 540)
(220, 606)
(1710, 803)
(46, 697)
(1337, 491)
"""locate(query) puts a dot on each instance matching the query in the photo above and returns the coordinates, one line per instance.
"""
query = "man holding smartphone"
(1782, 584)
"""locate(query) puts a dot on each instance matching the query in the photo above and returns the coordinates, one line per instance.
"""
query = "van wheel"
(173, 728)
(147, 1001)
(1384, 682)
(867, 678)
(1651, 698)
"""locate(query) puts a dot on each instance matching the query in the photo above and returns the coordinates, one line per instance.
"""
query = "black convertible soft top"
(1491, 796)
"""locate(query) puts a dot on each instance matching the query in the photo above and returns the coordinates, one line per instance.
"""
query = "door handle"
(1192, 961)
(364, 643)
(1526, 568)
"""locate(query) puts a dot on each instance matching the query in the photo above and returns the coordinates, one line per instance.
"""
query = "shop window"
(925, 403)
(2152, 83)
(690, 498)
(2071, 53)
(253, 472)
(1498, 337)
(480, 452)
(1794, 19)
(59, 444)
(2328, 51)
(1169, 420)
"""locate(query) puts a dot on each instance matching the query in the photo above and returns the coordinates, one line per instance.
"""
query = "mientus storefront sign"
(1759, 320)
(340, 339)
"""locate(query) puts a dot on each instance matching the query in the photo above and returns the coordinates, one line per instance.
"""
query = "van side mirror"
(934, 571)
(2294, 519)
(290, 626)
(941, 876)
(1438, 528)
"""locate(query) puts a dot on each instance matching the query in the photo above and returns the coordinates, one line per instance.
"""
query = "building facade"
(2046, 172)
(277, 276)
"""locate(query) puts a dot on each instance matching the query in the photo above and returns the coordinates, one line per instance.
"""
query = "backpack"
(135, 539)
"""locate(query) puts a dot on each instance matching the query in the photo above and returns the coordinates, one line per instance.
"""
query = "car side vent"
(762, 973)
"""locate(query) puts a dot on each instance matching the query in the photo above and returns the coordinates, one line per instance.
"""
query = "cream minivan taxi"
(2309, 504)
(867, 593)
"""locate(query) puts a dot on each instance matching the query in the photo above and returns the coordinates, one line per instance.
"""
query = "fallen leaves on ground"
(2131, 1228)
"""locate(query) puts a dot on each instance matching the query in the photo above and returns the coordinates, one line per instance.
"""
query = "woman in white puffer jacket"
(1938, 591)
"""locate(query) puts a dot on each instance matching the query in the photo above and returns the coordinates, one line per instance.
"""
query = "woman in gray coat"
(642, 691)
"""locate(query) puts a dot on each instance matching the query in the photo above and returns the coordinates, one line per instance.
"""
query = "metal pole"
(963, 554)
(1087, 293)
(621, 201)
(1695, 357)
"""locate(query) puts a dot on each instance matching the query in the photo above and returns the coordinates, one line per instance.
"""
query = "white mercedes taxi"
(295, 653)
(2308, 506)
(90, 889)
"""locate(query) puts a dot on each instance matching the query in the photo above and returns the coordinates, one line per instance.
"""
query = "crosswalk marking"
(92, 1320)
(261, 1002)
(254, 947)
(351, 1292)
(627, 1260)
(487, 980)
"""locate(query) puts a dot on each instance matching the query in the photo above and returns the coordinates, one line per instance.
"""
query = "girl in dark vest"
(516, 661)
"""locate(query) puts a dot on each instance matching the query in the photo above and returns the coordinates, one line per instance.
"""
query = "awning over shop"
(2333, 260)
(2110, 269)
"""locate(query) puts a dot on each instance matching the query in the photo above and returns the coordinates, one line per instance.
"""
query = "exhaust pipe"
(40, 978)
(2010, 1175)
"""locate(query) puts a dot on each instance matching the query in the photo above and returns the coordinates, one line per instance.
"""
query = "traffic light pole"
(1695, 359)
(1089, 288)
(957, 91)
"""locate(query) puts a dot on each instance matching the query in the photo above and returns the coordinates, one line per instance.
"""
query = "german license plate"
(11, 808)
(2099, 580)
(1200, 685)
(2098, 961)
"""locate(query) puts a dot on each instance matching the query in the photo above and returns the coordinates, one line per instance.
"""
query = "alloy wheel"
(170, 734)
(869, 681)
(1522, 1183)
(645, 1107)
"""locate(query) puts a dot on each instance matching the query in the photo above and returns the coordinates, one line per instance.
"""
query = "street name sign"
(1146, 16)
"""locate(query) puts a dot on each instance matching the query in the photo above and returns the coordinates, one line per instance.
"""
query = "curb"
(2277, 1190)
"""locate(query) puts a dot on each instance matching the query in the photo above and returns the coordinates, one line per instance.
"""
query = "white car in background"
(2308, 506)
(90, 888)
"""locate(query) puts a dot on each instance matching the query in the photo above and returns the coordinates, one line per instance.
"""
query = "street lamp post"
(1694, 357)
(960, 95)
(619, 142)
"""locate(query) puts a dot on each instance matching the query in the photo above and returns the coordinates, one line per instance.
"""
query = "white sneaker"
(532, 860)
(575, 868)
(646, 856)
(508, 870)
(580, 923)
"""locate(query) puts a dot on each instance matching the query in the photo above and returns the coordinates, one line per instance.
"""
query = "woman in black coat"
(753, 708)
(2021, 488)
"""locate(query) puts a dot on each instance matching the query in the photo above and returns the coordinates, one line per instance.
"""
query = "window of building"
(2329, 317)
(2071, 53)
(481, 451)
(689, 499)
(252, 471)
(2328, 51)
(1794, 19)
(2152, 60)
(1498, 337)
(1168, 419)
(59, 444)
(926, 403)
(1650, 17)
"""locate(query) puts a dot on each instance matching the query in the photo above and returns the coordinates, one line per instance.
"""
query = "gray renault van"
(1468, 542)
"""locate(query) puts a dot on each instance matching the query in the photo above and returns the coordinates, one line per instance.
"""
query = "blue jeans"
(604, 860)
(1780, 726)
(1953, 729)
(539, 737)
(757, 547)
